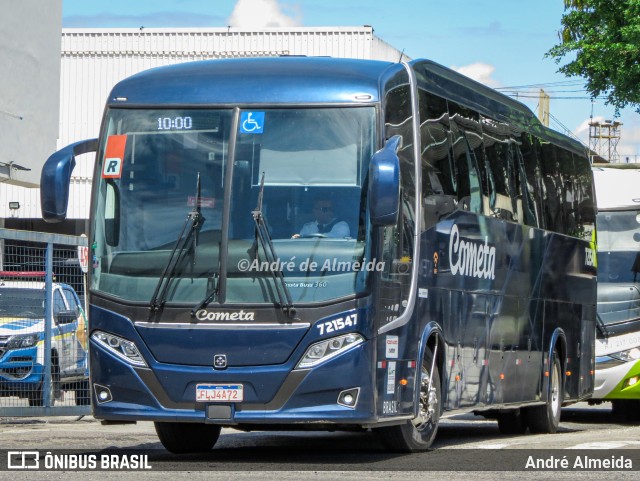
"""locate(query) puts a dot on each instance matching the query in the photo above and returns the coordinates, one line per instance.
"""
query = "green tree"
(603, 38)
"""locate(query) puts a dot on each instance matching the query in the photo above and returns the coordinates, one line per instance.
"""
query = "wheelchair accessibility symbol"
(251, 122)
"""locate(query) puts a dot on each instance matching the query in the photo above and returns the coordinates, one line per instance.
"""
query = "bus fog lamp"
(349, 397)
(124, 349)
(103, 393)
(325, 350)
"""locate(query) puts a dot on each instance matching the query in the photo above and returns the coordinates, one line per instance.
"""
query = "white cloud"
(263, 14)
(582, 130)
(630, 141)
(480, 72)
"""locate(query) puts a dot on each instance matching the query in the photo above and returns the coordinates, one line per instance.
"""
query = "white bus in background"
(617, 376)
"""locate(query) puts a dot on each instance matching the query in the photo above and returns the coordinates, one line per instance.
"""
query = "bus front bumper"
(617, 382)
(273, 395)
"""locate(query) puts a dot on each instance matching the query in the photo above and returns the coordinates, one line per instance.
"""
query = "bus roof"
(247, 81)
(452, 85)
(313, 80)
(617, 189)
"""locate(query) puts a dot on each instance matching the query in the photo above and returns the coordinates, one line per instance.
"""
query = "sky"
(501, 43)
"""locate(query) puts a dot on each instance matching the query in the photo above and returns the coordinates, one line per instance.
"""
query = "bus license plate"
(219, 392)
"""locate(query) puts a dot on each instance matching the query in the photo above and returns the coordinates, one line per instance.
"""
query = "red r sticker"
(114, 157)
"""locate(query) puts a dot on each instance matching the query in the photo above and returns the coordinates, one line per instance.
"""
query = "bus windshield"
(181, 194)
(619, 267)
(619, 246)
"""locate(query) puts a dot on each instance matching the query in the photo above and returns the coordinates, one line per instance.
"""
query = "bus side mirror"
(55, 178)
(384, 183)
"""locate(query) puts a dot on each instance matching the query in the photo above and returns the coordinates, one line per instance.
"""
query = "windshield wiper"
(185, 243)
(602, 327)
(212, 292)
(262, 234)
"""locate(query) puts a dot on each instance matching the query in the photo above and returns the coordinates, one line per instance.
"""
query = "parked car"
(22, 341)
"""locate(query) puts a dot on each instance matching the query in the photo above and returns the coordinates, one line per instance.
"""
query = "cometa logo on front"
(204, 315)
(471, 258)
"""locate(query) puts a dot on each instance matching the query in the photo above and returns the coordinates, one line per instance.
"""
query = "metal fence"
(44, 366)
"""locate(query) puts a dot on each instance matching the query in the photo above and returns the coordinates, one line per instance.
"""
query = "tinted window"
(497, 147)
(398, 239)
(585, 199)
(438, 170)
(464, 130)
(529, 173)
(554, 190)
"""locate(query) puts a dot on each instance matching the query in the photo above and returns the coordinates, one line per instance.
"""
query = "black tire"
(626, 410)
(183, 438)
(513, 422)
(418, 434)
(82, 394)
(36, 398)
(546, 419)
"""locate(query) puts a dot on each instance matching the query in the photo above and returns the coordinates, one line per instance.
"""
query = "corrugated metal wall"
(94, 60)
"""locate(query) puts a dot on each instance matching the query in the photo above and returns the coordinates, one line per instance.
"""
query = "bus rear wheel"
(183, 438)
(546, 419)
(418, 434)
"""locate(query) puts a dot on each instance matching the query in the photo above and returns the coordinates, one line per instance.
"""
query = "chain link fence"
(43, 325)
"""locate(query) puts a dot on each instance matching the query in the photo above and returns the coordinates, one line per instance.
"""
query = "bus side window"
(531, 176)
(525, 202)
(553, 192)
(500, 163)
(398, 240)
(468, 178)
(438, 172)
(578, 196)
(586, 210)
(568, 197)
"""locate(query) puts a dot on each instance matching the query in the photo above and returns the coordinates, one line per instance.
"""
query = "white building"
(94, 60)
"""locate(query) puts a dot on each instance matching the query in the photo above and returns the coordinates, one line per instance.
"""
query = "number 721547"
(335, 325)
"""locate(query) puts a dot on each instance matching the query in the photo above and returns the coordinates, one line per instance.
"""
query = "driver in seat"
(326, 224)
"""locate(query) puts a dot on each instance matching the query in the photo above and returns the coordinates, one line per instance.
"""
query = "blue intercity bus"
(291, 243)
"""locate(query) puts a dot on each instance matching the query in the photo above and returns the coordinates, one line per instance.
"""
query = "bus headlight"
(626, 356)
(122, 348)
(327, 349)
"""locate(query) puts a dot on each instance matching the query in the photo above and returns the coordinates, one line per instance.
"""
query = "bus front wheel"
(418, 434)
(183, 438)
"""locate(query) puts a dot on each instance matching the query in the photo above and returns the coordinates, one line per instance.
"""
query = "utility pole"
(543, 108)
